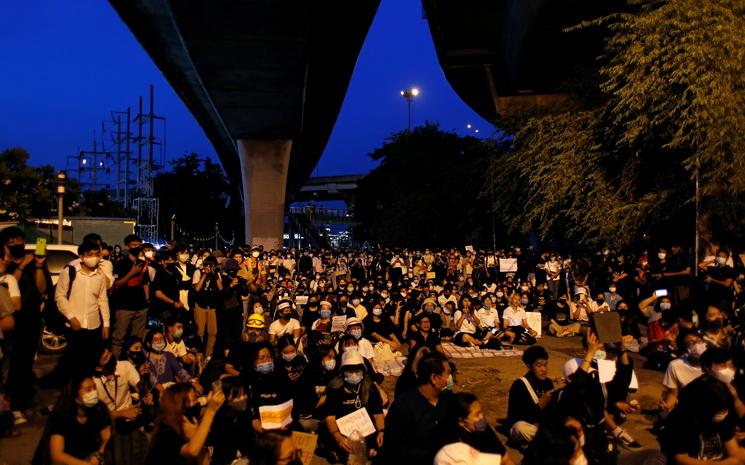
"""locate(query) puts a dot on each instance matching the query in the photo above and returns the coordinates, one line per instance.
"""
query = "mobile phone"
(660, 293)
(41, 246)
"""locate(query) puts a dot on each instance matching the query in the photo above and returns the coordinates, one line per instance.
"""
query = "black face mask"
(193, 411)
(138, 358)
(17, 251)
(286, 316)
(110, 367)
(135, 251)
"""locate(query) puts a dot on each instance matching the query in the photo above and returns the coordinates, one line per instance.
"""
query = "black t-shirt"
(165, 447)
(520, 404)
(341, 400)
(81, 439)
(384, 327)
(131, 296)
(484, 441)
(716, 293)
(558, 313)
(269, 389)
(431, 341)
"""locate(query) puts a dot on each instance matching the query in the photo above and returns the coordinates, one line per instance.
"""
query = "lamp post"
(409, 96)
(61, 178)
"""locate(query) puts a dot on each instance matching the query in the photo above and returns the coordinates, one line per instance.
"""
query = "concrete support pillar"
(264, 165)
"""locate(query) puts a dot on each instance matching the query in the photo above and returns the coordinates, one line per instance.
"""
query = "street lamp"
(409, 96)
(61, 178)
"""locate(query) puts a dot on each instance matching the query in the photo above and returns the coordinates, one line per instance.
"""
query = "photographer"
(208, 288)
(231, 320)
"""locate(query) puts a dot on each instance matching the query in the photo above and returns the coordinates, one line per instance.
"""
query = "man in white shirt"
(81, 297)
(285, 324)
(105, 266)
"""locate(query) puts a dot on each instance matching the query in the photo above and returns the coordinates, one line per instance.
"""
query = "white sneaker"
(19, 418)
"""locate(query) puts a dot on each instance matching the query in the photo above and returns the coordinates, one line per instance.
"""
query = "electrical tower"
(145, 202)
(125, 164)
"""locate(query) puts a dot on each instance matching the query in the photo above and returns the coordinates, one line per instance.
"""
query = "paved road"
(490, 379)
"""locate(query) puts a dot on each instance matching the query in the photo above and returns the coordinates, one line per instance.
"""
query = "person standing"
(131, 294)
(81, 298)
(34, 282)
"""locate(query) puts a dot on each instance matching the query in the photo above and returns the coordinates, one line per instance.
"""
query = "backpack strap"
(531, 391)
(72, 272)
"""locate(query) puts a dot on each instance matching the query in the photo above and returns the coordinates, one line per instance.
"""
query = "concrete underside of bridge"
(506, 57)
(265, 79)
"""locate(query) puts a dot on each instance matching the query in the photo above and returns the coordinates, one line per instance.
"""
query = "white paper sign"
(276, 416)
(534, 321)
(607, 370)
(508, 265)
(301, 300)
(469, 248)
(338, 324)
(358, 420)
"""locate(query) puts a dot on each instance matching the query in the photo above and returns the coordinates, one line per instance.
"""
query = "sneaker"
(627, 440)
(18, 417)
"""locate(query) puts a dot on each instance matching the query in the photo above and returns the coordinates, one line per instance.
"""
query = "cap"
(283, 304)
(351, 358)
(256, 320)
(460, 453)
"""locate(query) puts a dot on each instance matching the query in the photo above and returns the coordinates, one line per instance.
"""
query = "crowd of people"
(191, 355)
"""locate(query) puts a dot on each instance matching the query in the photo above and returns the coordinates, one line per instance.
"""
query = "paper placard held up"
(607, 370)
(508, 265)
(306, 443)
(276, 416)
(534, 321)
(358, 420)
(338, 324)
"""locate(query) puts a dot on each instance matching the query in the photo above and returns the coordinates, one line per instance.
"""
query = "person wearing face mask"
(701, 428)
(231, 430)
(294, 366)
(355, 328)
(529, 396)
(718, 277)
(682, 370)
(165, 369)
(560, 324)
(716, 331)
(612, 297)
(553, 275)
(131, 294)
(351, 391)
(180, 438)
(114, 381)
(515, 323)
(81, 296)
(468, 426)
(172, 285)
(267, 385)
(380, 329)
(285, 323)
(175, 342)
(34, 283)
(80, 426)
(415, 425)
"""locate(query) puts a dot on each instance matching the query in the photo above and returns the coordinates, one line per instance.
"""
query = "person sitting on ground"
(380, 329)
(165, 369)
(424, 336)
(356, 330)
(701, 428)
(274, 448)
(285, 323)
(80, 425)
(467, 324)
(560, 324)
(716, 331)
(682, 370)
(529, 396)
(180, 436)
(175, 342)
(467, 424)
(516, 328)
(353, 390)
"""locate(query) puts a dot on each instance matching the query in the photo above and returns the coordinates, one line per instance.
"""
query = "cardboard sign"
(431, 275)
(301, 300)
(469, 248)
(607, 327)
(358, 420)
(338, 324)
(306, 443)
(534, 321)
(276, 416)
(508, 265)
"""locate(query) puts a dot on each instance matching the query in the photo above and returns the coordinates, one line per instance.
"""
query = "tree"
(672, 106)
(27, 191)
(425, 191)
(197, 192)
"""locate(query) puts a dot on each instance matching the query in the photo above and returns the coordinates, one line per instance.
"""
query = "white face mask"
(91, 262)
(183, 258)
(149, 254)
(721, 261)
(90, 399)
(720, 417)
(661, 255)
(255, 254)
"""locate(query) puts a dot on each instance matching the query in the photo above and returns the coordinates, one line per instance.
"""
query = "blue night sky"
(65, 65)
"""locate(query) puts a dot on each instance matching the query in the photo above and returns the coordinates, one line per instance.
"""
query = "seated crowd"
(183, 355)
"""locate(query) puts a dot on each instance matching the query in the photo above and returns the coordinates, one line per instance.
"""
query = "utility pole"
(217, 234)
(173, 227)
